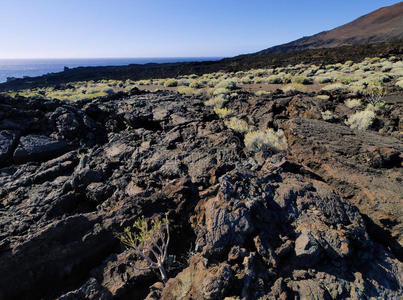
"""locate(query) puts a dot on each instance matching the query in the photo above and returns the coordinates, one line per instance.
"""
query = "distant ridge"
(382, 25)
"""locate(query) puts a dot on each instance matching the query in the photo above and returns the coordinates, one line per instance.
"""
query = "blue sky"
(164, 28)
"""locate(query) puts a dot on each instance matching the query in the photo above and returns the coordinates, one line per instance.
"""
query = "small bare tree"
(374, 93)
(150, 243)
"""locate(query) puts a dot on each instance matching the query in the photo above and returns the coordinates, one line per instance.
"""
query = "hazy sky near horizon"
(164, 28)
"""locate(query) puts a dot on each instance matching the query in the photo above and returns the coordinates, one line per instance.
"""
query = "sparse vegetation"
(352, 103)
(237, 125)
(399, 83)
(226, 85)
(328, 116)
(188, 91)
(223, 112)
(374, 93)
(301, 80)
(323, 97)
(217, 101)
(262, 93)
(293, 87)
(268, 139)
(334, 87)
(149, 242)
(170, 83)
(362, 120)
(275, 79)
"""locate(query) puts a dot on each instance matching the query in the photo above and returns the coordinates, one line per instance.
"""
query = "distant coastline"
(18, 68)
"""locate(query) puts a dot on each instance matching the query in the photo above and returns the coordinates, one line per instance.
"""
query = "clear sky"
(164, 28)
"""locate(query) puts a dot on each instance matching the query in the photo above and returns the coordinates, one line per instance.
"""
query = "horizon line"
(123, 57)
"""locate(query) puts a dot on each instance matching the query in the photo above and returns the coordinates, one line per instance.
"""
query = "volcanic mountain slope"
(384, 24)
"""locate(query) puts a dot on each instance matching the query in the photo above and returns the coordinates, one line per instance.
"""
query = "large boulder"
(38, 148)
(7, 142)
(365, 167)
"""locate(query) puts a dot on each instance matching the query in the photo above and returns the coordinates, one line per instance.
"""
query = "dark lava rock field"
(322, 220)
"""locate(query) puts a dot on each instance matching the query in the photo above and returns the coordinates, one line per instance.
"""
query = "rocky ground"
(322, 220)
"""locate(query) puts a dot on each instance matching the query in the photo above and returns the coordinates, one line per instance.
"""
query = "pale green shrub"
(323, 79)
(223, 112)
(323, 97)
(399, 83)
(217, 101)
(362, 120)
(92, 91)
(226, 84)
(396, 72)
(328, 115)
(301, 80)
(334, 87)
(171, 83)
(188, 91)
(259, 72)
(352, 103)
(262, 93)
(195, 84)
(274, 79)
(221, 91)
(212, 82)
(346, 79)
(266, 139)
(293, 87)
(183, 82)
(237, 125)
(381, 78)
(286, 78)
(246, 80)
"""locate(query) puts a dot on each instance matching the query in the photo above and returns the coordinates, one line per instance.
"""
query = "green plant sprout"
(149, 243)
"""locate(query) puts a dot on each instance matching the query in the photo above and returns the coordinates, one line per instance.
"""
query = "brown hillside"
(384, 24)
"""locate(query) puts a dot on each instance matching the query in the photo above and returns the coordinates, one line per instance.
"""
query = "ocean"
(36, 67)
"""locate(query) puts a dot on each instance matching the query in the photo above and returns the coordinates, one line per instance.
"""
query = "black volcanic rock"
(38, 148)
(8, 140)
(250, 225)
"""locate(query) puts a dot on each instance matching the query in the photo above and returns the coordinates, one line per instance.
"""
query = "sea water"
(19, 68)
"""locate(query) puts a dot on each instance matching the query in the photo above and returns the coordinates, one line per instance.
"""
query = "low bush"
(195, 84)
(227, 85)
(188, 91)
(374, 92)
(150, 243)
(217, 101)
(328, 115)
(268, 139)
(221, 91)
(323, 79)
(223, 112)
(262, 93)
(237, 125)
(171, 83)
(293, 87)
(323, 97)
(352, 103)
(274, 79)
(362, 120)
(301, 80)
(246, 80)
(333, 87)
(399, 83)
